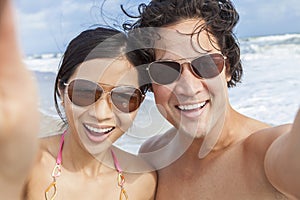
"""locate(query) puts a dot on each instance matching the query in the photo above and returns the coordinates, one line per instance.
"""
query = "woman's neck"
(75, 157)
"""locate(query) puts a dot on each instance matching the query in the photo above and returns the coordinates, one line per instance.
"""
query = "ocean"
(270, 88)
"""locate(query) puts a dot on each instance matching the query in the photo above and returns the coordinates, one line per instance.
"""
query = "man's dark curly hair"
(220, 17)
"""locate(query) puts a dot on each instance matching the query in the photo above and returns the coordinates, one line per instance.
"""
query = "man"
(19, 115)
(215, 152)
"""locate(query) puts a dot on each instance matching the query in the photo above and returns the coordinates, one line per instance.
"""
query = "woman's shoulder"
(40, 174)
(48, 147)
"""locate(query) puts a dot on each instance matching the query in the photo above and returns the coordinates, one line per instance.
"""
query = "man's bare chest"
(231, 178)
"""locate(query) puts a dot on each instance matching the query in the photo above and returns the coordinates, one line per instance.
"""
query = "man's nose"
(188, 84)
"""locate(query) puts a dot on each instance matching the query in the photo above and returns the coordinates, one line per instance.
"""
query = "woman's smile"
(99, 133)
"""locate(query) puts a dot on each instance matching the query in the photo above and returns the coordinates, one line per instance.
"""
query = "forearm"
(18, 92)
(11, 190)
(282, 161)
(19, 116)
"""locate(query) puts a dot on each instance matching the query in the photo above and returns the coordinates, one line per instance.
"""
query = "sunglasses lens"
(208, 66)
(126, 99)
(164, 72)
(84, 92)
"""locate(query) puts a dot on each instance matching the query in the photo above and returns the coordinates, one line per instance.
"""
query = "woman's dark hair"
(90, 44)
(220, 17)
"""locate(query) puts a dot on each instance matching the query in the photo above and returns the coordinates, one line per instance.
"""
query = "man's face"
(192, 104)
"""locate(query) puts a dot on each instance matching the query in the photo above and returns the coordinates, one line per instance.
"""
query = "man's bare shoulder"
(158, 141)
(259, 141)
(255, 134)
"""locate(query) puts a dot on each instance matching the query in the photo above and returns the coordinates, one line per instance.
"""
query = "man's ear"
(227, 71)
(150, 89)
(228, 77)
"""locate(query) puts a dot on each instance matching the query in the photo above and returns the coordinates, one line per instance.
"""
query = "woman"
(100, 94)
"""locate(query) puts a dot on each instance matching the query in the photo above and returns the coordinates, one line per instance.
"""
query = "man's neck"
(224, 134)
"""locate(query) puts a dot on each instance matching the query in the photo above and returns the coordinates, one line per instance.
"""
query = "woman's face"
(98, 125)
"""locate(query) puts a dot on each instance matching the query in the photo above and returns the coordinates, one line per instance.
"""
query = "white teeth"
(99, 130)
(192, 106)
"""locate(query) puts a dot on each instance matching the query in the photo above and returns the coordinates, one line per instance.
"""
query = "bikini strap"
(56, 171)
(116, 162)
(61, 145)
(121, 178)
(57, 168)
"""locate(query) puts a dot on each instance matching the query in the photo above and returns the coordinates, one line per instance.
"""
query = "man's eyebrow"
(180, 59)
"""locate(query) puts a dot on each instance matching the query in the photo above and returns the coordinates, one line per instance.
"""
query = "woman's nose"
(102, 108)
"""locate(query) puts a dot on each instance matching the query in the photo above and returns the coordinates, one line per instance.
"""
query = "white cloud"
(45, 29)
(32, 21)
(48, 25)
(71, 7)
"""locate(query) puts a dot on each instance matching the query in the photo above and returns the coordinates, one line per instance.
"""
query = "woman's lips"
(98, 134)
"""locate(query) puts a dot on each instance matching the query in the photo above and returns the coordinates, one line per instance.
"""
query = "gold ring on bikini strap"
(52, 186)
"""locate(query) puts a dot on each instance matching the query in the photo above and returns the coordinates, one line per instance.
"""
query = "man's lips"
(192, 110)
(191, 107)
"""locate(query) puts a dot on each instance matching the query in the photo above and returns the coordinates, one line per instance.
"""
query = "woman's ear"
(62, 97)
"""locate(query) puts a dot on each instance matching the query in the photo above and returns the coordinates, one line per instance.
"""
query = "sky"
(47, 26)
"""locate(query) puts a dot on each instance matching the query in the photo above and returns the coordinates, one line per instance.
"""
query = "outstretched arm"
(19, 116)
(282, 162)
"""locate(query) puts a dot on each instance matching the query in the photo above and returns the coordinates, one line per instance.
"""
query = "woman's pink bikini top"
(57, 172)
